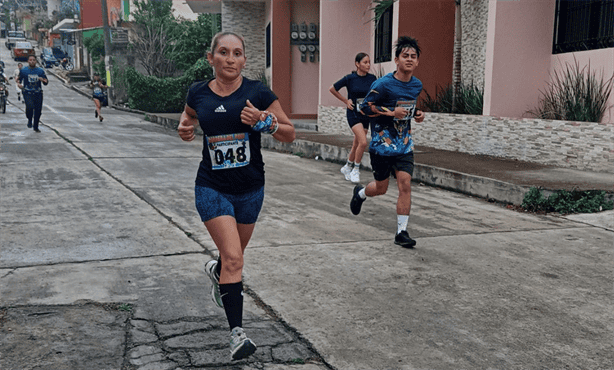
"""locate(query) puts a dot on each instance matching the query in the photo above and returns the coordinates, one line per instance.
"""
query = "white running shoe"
(215, 289)
(355, 175)
(345, 170)
(240, 345)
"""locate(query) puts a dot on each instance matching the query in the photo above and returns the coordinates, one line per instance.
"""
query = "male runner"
(392, 103)
(29, 81)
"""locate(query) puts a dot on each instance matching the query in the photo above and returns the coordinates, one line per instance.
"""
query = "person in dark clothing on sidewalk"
(30, 79)
(392, 104)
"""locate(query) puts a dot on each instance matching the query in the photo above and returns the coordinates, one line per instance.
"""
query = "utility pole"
(107, 48)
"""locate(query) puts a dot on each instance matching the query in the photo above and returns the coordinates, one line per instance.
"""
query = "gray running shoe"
(240, 345)
(215, 282)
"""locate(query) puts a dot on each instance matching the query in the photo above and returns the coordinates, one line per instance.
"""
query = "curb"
(482, 187)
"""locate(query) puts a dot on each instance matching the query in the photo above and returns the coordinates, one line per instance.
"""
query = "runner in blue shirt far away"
(29, 81)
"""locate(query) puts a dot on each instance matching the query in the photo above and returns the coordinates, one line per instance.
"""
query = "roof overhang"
(64, 25)
(205, 6)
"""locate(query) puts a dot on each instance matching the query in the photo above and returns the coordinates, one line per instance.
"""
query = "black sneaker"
(37, 130)
(404, 240)
(356, 202)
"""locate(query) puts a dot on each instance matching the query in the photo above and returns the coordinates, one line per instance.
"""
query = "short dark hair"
(405, 42)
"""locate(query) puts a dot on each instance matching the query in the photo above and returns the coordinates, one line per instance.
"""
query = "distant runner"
(357, 85)
(30, 79)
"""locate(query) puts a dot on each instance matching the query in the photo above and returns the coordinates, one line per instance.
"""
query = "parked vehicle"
(13, 37)
(58, 53)
(67, 64)
(22, 50)
(48, 59)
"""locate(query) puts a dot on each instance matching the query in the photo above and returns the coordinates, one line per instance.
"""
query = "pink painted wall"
(305, 75)
(520, 48)
(344, 32)
(601, 60)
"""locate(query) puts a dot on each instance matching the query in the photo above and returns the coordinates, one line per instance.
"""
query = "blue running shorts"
(245, 208)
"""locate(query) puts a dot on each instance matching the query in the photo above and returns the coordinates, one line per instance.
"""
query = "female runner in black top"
(233, 112)
(357, 84)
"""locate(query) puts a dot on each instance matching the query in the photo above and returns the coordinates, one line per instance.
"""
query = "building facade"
(507, 48)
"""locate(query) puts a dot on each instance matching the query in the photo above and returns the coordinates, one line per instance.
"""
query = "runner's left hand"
(250, 114)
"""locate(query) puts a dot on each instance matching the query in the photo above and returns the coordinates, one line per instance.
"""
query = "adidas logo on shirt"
(220, 109)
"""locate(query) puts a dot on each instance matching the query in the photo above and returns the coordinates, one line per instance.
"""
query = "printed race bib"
(229, 151)
(410, 105)
(97, 91)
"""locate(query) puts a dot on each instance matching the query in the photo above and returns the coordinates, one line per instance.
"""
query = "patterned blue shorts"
(245, 208)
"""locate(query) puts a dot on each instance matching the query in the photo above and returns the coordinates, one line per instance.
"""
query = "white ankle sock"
(356, 165)
(402, 221)
(361, 193)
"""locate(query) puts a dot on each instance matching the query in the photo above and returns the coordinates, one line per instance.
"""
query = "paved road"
(102, 257)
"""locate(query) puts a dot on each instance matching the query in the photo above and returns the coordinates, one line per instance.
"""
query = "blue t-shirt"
(356, 85)
(390, 136)
(29, 79)
(232, 160)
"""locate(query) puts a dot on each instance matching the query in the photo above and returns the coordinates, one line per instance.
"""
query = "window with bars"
(383, 37)
(583, 25)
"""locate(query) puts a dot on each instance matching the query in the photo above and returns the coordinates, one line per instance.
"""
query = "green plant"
(95, 46)
(163, 95)
(574, 94)
(262, 77)
(565, 202)
(125, 307)
(470, 100)
(379, 8)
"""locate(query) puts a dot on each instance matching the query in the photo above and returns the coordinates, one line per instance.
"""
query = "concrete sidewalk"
(493, 178)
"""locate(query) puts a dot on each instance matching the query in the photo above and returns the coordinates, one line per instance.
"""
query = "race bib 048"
(229, 151)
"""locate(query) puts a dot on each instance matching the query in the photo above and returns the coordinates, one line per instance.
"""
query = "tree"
(154, 40)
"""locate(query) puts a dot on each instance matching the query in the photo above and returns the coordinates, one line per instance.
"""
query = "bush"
(575, 94)
(470, 100)
(163, 95)
(565, 202)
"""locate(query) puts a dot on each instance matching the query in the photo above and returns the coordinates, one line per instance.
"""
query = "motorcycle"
(67, 64)
(4, 93)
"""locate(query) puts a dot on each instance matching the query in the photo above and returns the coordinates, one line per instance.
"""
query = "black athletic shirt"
(236, 167)
(356, 85)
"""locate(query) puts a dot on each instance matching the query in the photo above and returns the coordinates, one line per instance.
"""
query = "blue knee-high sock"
(232, 297)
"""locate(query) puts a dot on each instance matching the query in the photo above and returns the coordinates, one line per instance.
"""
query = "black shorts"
(104, 101)
(383, 165)
(355, 118)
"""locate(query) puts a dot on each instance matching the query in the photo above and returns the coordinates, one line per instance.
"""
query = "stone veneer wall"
(332, 120)
(579, 145)
(474, 15)
(248, 20)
